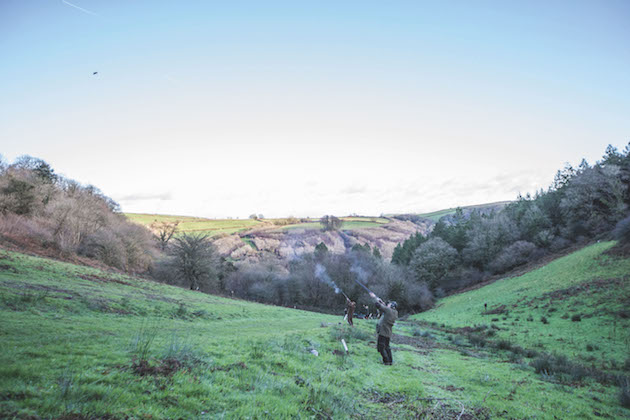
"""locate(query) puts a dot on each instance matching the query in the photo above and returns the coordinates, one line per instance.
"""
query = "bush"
(549, 364)
(624, 395)
(576, 318)
(432, 260)
(477, 340)
(622, 231)
(503, 345)
(519, 253)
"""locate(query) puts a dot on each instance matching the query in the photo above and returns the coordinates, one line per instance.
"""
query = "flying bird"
(94, 73)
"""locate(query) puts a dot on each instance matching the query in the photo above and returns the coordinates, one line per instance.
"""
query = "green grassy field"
(79, 343)
(229, 226)
(436, 215)
(197, 224)
(349, 223)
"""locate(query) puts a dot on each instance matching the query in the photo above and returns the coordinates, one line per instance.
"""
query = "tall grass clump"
(142, 343)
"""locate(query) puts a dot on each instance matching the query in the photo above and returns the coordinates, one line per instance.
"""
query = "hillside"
(437, 215)
(79, 343)
(254, 240)
(281, 239)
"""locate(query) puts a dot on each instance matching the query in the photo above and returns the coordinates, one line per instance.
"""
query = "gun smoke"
(321, 274)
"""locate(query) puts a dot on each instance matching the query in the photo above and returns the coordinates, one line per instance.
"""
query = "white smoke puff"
(321, 274)
(360, 272)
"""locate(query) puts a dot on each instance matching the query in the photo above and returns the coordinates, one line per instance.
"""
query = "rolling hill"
(282, 239)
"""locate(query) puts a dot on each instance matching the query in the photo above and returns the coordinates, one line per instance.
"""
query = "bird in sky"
(94, 73)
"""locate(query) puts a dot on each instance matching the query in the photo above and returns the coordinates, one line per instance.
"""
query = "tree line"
(42, 209)
(582, 204)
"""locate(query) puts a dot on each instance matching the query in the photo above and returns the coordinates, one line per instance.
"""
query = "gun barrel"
(363, 285)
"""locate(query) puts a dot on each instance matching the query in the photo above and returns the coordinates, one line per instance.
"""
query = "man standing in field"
(350, 309)
(384, 327)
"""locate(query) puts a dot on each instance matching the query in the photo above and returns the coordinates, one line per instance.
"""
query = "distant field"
(229, 226)
(197, 224)
(436, 215)
(349, 223)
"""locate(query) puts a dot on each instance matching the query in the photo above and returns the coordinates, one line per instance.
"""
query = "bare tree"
(330, 223)
(164, 231)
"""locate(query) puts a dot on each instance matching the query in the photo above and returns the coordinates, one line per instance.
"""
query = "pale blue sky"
(307, 108)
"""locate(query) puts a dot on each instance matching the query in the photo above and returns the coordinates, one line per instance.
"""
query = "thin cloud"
(353, 190)
(79, 8)
(167, 196)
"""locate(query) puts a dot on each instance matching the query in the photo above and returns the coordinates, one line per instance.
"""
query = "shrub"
(458, 341)
(530, 354)
(624, 395)
(548, 364)
(477, 340)
(426, 334)
(576, 318)
(515, 358)
(622, 231)
(503, 345)
(520, 252)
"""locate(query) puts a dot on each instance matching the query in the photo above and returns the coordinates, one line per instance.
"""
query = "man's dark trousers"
(383, 348)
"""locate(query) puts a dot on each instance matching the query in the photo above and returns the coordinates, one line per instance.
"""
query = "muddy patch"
(101, 279)
(418, 342)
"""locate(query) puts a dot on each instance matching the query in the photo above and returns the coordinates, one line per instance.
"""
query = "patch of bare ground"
(164, 367)
(101, 279)
(421, 343)
(35, 248)
(227, 368)
(619, 250)
(16, 285)
(399, 404)
(78, 416)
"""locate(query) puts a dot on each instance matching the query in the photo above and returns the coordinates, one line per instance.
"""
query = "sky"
(223, 109)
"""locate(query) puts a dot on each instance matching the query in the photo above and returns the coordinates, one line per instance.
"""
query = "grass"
(437, 215)
(197, 224)
(587, 285)
(229, 226)
(349, 223)
(82, 343)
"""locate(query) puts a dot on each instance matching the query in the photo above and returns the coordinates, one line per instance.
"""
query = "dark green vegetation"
(467, 247)
(307, 282)
(83, 343)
